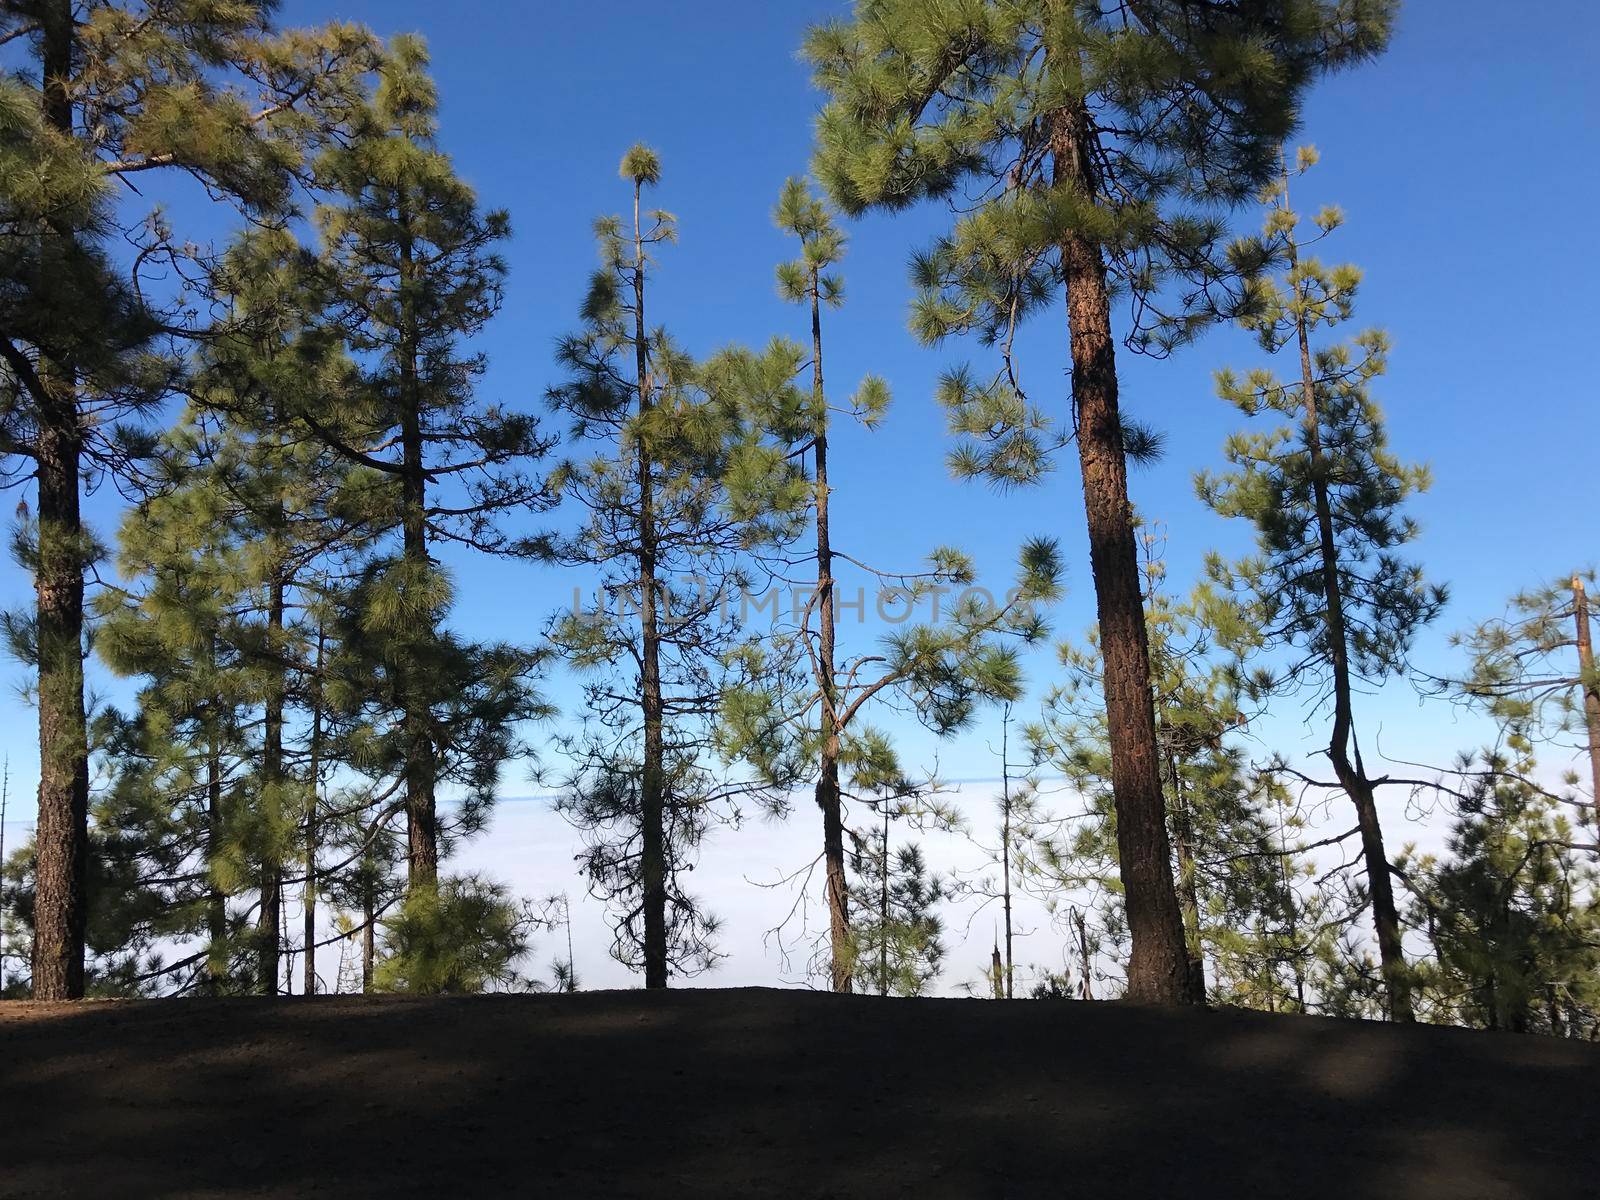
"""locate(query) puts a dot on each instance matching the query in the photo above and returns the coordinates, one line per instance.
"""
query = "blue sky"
(1465, 160)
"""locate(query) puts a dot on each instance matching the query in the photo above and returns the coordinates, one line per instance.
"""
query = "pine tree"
(1533, 671)
(804, 718)
(182, 761)
(1232, 889)
(1273, 920)
(465, 935)
(1511, 910)
(1325, 495)
(660, 645)
(895, 945)
(230, 559)
(409, 270)
(811, 280)
(1101, 144)
(1012, 833)
(1017, 807)
(361, 881)
(116, 91)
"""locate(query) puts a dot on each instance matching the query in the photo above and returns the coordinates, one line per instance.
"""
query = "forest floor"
(756, 1093)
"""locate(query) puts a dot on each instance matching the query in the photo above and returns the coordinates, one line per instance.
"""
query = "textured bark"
(62, 833)
(836, 882)
(830, 797)
(1591, 691)
(1347, 766)
(5, 800)
(652, 781)
(1158, 966)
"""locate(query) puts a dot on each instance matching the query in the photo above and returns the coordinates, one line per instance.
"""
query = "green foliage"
(805, 217)
(465, 935)
(641, 165)
(1334, 442)
(1523, 667)
(895, 937)
(942, 668)
(677, 493)
(282, 614)
(1510, 910)
(213, 90)
(91, 343)
(479, 694)
(269, 498)
(1000, 98)
(409, 270)
(1235, 867)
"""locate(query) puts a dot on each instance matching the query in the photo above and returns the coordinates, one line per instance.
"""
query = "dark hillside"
(776, 1093)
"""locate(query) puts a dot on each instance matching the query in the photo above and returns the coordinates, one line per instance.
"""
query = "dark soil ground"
(758, 1093)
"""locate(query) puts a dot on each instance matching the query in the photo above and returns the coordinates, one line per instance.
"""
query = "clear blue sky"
(1466, 160)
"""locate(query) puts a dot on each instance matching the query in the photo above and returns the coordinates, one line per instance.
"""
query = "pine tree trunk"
(830, 797)
(1349, 771)
(1189, 893)
(830, 801)
(62, 832)
(1385, 914)
(5, 800)
(309, 927)
(1188, 886)
(216, 899)
(1291, 900)
(269, 924)
(314, 773)
(883, 913)
(1158, 966)
(422, 819)
(1086, 987)
(1591, 691)
(367, 934)
(1005, 846)
(61, 835)
(652, 782)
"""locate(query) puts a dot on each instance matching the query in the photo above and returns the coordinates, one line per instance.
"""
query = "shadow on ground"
(757, 1093)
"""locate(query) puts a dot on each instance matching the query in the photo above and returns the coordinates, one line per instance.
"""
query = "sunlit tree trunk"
(1158, 965)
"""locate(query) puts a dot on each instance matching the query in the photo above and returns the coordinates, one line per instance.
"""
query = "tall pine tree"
(121, 90)
(247, 527)
(1228, 876)
(805, 720)
(1099, 143)
(895, 946)
(659, 644)
(1325, 494)
(409, 270)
